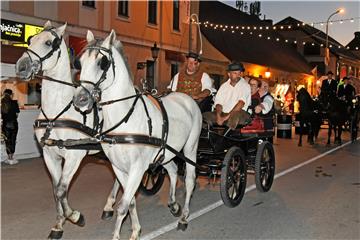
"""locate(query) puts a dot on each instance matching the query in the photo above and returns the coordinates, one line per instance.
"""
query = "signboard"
(18, 32)
(12, 31)
(31, 30)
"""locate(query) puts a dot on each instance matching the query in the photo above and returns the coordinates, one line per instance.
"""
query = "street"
(316, 195)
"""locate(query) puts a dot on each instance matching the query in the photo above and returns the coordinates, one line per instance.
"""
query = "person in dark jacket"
(9, 114)
(346, 91)
(328, 88)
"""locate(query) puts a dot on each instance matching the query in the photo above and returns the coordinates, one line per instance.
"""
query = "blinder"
(56, 43)
(104, 63)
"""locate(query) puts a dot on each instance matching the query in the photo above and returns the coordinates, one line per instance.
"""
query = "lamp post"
(327, 52)
(155, 51)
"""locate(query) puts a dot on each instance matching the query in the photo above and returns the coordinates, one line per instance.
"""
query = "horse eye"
(48, 43)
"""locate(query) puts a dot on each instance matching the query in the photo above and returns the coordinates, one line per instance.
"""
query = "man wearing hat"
(328, 87)
(266, 107)
(232, 100)
(194, 82)
(346, 91)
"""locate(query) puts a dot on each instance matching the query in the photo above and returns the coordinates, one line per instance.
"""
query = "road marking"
(219, 203)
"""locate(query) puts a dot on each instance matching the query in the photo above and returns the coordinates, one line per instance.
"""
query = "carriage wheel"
(264, 166)
(152, 182)
(233, 177)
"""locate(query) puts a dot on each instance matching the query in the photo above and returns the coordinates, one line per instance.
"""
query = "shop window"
(152, 11)
(310, 50)
(176, 9)
(123, 8)
(90, 4)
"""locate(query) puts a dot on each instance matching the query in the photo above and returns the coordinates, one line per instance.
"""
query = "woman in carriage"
(261, 107)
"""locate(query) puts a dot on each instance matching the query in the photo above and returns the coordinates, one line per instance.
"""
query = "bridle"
(37, 64)
(105, 64)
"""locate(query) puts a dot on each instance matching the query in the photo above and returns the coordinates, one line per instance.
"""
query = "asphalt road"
(316, 195)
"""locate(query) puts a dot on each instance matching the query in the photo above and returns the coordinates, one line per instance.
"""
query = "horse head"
(43, 52)
(97, 70)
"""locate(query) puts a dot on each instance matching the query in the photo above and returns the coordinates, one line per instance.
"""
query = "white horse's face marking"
(43, 52)
(95, 73)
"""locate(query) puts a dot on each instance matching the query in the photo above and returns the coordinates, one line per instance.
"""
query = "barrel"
(297, 125)
(284, 126)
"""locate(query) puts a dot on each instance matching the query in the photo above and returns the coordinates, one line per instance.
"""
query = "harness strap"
(50, 122)
(74, 84)
(42, 123)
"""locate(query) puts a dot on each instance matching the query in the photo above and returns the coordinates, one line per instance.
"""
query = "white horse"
(105, 70)
(48, 52)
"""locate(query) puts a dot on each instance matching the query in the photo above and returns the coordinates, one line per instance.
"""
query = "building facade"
(138, 24)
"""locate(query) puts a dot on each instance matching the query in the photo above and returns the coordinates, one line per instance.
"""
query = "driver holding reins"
(194, 82)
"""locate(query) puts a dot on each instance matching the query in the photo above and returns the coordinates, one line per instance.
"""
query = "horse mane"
(305, 99)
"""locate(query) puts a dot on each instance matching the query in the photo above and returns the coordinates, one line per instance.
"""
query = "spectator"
(9, 114)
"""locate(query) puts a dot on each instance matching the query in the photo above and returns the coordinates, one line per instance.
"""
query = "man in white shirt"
(232, 100)
(194, 82)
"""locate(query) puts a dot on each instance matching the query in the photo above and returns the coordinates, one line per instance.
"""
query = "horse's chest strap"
(43, 123)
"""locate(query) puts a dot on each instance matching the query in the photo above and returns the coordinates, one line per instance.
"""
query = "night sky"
(315, 11)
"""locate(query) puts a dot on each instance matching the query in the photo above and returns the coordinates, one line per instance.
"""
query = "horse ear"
(109, 40)
(61, 30)
(47, 24)
(90, 36)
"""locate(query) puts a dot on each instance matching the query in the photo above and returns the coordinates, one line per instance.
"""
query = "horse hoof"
(174, 212)
(55, 234)
(107, 215)
(182, 226)
(81, 221)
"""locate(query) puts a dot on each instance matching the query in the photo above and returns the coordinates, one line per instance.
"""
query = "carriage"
(69, 122)
(229, 155)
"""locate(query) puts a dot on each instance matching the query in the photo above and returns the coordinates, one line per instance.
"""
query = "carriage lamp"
(155, 51)
(267, 73)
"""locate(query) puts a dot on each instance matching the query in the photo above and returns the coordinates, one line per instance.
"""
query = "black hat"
(236, 66)
(194, 56)
(8, 91)
(346, 78)
(330, 72)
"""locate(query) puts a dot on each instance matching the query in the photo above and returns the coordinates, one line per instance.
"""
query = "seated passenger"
(194, 82)
(232, 100)
(255, 85)
(266, 107)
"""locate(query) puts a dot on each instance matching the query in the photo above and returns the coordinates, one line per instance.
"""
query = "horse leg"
(301, 133)
(311, 133)
(339, 134)
(71, 165)
(53, 164)
(329, 133)
(108, 211)
(130, 184)
(190, 150)
(174, 207)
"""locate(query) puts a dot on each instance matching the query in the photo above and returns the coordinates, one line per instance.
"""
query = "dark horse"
(337, 114)
(309, 115)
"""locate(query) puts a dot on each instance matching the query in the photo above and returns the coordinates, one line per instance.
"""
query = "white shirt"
(228, 96)
(206, 83)
(267, 104)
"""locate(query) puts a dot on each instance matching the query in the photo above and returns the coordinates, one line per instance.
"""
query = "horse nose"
(83, 99)
(23, 68)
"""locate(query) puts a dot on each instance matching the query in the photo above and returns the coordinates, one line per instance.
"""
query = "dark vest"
(268, 118)
(189, 84)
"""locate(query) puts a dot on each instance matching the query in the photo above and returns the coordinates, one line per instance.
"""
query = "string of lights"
(277, 27)
(278, 39)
